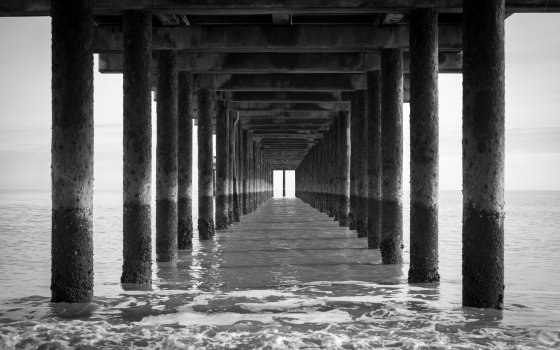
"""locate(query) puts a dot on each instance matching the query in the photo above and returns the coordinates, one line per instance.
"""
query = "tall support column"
(374, 159)
(205, 172)
(185, 224)
(344, 168)
(333, 154)
(137, 148)
(391, 155)
(166, 158)
(353, 155)
(240, 169)
(483, 153)
(231, 139)
(222, 166)
(234, 153)
(361, 164)
(283, 183)
(424, 155)
(255, 176)
(246, 170)
(72, 151)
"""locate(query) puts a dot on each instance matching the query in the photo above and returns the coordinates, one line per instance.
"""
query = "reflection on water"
(285, 277)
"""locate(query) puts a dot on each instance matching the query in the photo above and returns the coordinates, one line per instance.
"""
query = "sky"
(532, 110)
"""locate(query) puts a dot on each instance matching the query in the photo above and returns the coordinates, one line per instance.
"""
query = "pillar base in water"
(137, 264)
(72, 258)
(166, 228)
(361, 228)
(483, 242)
(423, 249)
(222, 215)
(351, 221)
(185, 233)
(374, 239)
(206, 228)
(423, 275)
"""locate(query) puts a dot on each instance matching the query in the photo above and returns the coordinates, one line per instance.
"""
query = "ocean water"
(285, 277)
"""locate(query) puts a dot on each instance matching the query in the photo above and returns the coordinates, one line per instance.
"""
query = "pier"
(283, 85)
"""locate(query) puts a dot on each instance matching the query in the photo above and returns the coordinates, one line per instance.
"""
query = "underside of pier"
(311, 86)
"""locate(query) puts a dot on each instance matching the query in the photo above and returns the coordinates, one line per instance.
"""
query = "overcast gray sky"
(532, 109)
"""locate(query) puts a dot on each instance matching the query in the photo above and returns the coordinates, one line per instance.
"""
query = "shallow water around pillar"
(285, 276)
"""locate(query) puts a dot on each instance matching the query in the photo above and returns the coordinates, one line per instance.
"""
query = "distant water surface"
(271, 288)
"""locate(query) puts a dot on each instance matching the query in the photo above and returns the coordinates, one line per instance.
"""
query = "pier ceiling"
(205, 9)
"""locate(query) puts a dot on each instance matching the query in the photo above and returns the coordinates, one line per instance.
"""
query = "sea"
(285, 277)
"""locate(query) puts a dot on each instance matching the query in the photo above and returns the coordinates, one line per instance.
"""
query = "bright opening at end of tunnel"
(290, 184)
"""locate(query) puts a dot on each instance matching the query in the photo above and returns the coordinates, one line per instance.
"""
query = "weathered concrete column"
(483, 153)
(240, 170)
(72, 151)
(205, 173)
(359, 118)
(137, 148)
(222, 166)
(254, 176)
(333, 175)
(391, 155)
(245, 197)
(234, 160)
(231, 139)
(344, 168)
(166, 158)
(353, 155)
(424, 154)
(185, 224)
(283, 183)
(374, 159)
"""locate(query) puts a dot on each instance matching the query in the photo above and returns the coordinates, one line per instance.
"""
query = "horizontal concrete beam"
(290, 136)
(285, 145)
(309, 38)
(290, 116)
(248, 122)
(228, 7)
(272, 128)
(266, 106)
(294, 63)
(282, 112)
(283, 133)
(285, 96)
(282, 82)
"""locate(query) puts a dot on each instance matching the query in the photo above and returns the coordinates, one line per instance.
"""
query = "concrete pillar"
(344, 168)
(424, 155)
(240, 170)
(246, 170)
(391, 155)
(72, 151)
(353, 155)
(137, 148)
(333, 151)
(222, 166)
(254, 175)
(205, 173)
(374, 159)
(483, 153)
(231, 139)
(359, 118)
(234, 154)
(283, 183)
(166, 158)
(333, 170)
(185, 224)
